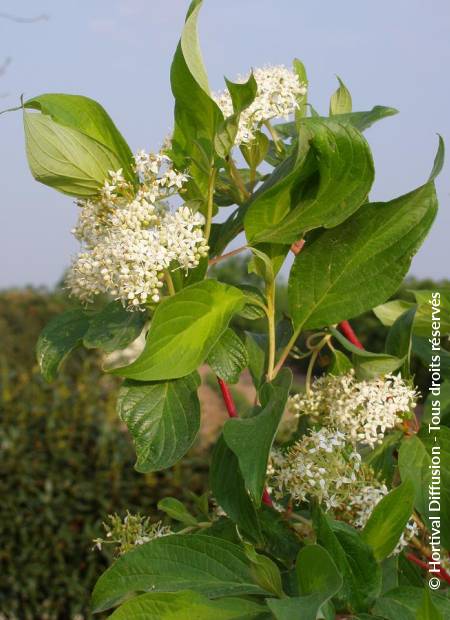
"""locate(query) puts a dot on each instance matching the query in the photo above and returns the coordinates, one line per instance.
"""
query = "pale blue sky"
(389, 52)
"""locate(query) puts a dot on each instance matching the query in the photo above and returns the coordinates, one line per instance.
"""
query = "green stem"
(169, 282)
(285, 352)
(210, 202)
(252, 179)
(270, 294)
(315, 354)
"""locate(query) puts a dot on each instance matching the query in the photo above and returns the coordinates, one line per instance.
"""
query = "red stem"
(228, 399)
(415, 560)
(232, 412)
(348, 332)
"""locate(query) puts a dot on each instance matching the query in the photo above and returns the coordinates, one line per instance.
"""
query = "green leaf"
(254, 303)
(367, 364)
(66, 159)
(389, 312)
(228, 357)
(58, 338)
(388, 520)
(319, 580)
(197, 116)
(438, 160)
(364, 120)
(427, 312)
(343, 272)
(242, 93)
(421, 348)
(340, 365)
(184, 329)
(176, 510)
(113, 328)
(204, 564)
(428, 610)
(302, 101)
(222, 234)
(317, 573)
(341, 100)
(382, 459)
(256, 345)
(326, 179)
(163, 419)
(399, 340)
(228, 488)
(251, 439)
(255, 151)
(413, 463)
(359, 120)
(354, 559)
(267, 260)
(90, 118)
(404, 603)
(182, 605)
(281, 542)
(265, 572)
(389, 568)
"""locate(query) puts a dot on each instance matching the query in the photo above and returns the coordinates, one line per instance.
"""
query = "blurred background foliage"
(67, 462)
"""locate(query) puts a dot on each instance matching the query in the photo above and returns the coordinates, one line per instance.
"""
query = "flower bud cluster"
(279, 94)
(130, 237)
(131, 531)
(363, 410)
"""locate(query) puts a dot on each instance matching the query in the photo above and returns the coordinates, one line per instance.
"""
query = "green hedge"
(66, 463)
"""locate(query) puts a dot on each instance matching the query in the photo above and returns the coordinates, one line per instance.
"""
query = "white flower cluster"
(320, 465)
(130, 238)
(279, 94)
(363, 410)
(324, 466)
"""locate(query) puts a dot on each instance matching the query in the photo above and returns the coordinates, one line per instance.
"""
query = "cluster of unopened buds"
(131, 238)
(130, 531)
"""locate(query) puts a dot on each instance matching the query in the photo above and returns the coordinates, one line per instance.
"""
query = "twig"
(217, 259)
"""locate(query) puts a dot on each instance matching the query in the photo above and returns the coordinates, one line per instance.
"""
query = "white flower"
(319, 465)
(324, 467)
(363, 410)
(130, 238)
(279, 94)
